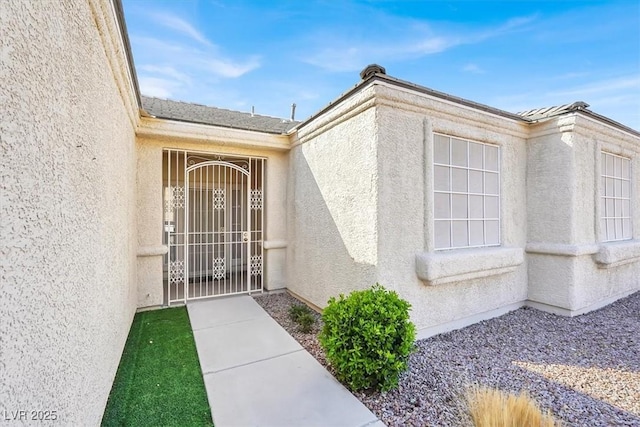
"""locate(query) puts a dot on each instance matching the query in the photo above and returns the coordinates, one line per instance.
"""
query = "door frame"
(248, 176)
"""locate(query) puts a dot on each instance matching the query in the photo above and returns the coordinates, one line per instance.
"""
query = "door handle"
(245, 236)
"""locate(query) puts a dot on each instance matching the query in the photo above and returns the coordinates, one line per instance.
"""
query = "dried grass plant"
(490, 407)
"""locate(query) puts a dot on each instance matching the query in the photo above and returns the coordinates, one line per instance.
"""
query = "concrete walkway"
(256, 374)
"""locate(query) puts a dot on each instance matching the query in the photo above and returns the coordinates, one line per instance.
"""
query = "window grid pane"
(615, 197)
(466, 193)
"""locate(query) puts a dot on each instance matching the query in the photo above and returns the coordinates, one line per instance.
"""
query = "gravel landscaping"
(585, 369)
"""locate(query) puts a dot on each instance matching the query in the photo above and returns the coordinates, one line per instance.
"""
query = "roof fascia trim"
(166, 129)
(124, 35)
(171, 119)
(450, 98)
(609, 122)
(385, 99)
(360, 85)
(603, 120)
(415, 88)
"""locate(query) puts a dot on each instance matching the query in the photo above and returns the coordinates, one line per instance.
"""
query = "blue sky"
(515, 55)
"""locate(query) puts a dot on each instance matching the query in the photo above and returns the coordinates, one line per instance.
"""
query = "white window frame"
(617, 200)
(468, 193)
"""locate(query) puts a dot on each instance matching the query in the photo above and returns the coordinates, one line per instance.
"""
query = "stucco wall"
(332, 203)
(613, 271)
(571, 271)
(156, 135)
(551, 187)
(406, 124)
(67, 245)
(149, 214)
(361, 206)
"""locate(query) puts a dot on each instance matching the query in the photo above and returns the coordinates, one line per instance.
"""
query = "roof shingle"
(197, 113)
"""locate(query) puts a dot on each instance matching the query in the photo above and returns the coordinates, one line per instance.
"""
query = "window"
(466, 193)
(615, 197)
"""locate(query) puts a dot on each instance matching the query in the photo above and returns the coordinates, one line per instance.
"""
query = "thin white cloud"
(473, 68)
(624, 83)
(571, 75)
(515, 23)
(177, 59)
(354, 57)
(180, 25)
(165, 58)
(432, 45)
(166, 71)
(230, 69)
(158, 87)
(416, 40)
(153, 46)
(340, 59)
(306, 95)
(618, 98)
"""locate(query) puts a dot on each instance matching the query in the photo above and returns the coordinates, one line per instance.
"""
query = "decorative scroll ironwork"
(255, 266)
(192, 160)
(219, 269)
(176, 271)
(256, 199)
(218, 198)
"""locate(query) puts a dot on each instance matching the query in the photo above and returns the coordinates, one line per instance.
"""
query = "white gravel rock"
(585, 369)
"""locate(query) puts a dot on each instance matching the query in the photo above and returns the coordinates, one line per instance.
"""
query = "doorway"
(213, 225)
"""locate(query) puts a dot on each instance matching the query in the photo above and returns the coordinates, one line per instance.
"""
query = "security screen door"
(213, 225)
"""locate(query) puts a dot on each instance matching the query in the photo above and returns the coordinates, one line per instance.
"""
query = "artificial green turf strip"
(159, 381)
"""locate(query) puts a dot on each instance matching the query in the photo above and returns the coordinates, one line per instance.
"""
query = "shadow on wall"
(320, 264)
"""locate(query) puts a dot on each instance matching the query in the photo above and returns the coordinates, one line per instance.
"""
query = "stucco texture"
(348, 202)
(67, 207)
(153, 137)
(406, 124)
(361, 210)
(360, 204)
(149, 215)
(332, 203)
(571, 269)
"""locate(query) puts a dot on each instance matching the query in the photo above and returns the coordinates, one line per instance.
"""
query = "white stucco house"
(113, 202)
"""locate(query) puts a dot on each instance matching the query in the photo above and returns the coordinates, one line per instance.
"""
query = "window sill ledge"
(456, 265)
(613, 254)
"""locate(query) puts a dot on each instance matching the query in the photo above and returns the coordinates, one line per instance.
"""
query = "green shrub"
(296, 310)
(368, 337)
(306, 321)
(303, 316)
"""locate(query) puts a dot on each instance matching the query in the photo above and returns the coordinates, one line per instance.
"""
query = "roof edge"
(197, 104)
(610, 122)
(451, 98)
(177, 132)
(575, 107)
(147, 110)
(381, 76)
(195, 122)
(580, 107)
(124, 34)
(355, 89)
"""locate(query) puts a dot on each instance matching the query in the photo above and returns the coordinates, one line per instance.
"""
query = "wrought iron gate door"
(219, 249)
